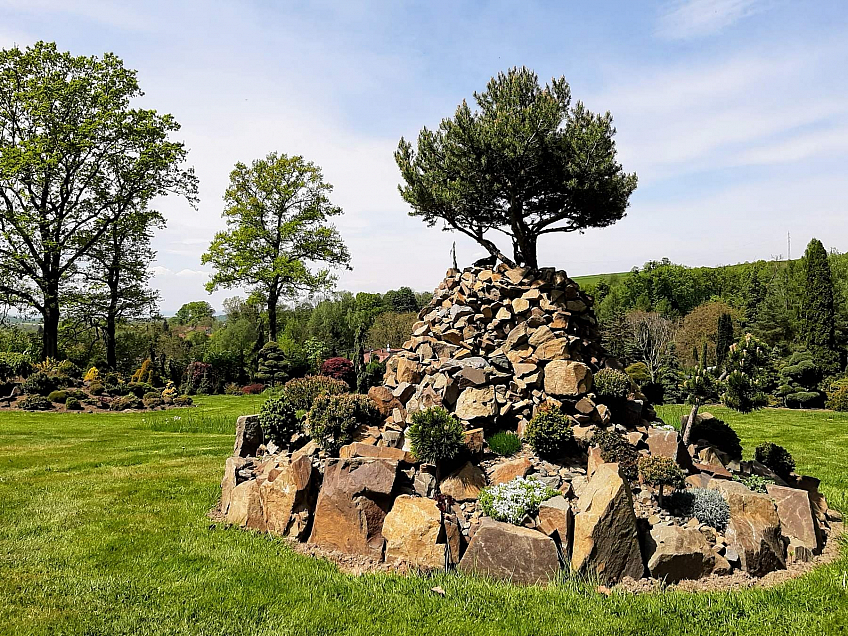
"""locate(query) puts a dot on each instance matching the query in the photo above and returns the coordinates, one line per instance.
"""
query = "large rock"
(504, 551)
(665, 443)
(384, 399)
(754, 533)
(465, 483)
(675, 553)
(413, 532)
(556, 519)
(606, 540)
(476, 404)
(567, 378)
(287, 496)
(230, 480)
(245, 507)
(408, 371)
(352, 504)
(797, 523)
(509, 470)
(360, 449)
(249, 436)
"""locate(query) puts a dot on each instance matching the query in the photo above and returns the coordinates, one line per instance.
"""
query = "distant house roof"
(380, 355)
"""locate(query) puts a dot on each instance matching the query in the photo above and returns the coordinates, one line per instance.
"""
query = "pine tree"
(724, 338)
(818, 323)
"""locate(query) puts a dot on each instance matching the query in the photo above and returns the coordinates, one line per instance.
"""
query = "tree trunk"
(50, 314)
(273, 296)
(687, 429)
(109, 333)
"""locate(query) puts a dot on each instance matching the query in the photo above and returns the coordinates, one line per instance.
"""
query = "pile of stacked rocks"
(494, 346)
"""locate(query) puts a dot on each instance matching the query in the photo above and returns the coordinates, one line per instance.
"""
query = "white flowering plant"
(514, 499)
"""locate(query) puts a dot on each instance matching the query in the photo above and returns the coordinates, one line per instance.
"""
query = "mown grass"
(103, 530)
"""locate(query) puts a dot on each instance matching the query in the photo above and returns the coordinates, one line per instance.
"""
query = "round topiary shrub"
(549, 433)
(504, 443)
(59, 397)
(661, 472)
(301, 392)
(125, 402)
(35, 403)
(152, 399)
(707, 506)
(611, 384)
(279, 420)
(513, 500)
(334, 419)
(436, 435)
(616, 449)
(73, 404)
(717, 433)
(40, 383)
(775, 457)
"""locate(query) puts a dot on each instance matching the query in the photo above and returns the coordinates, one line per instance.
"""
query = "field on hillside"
(103, 530)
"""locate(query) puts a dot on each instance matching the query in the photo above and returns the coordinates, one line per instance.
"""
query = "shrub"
(144, 373)
(125, 402)
(549, 433)
(48, 365)
(837, 395)
(301, 392)
(273, 367)
(515, 499)
(140, 389)
(169, 393)
(279, 420)
(611, 384)
(183, 400)
(638, 372)
(92, 375)
(659, 472)
(253, 389)
(14, 364)
(73, 404)
(775, 457)
(152, 399)
(615, 448)
(504, 443)
(754, 482)
(68, 368)
(804, 400)
(436, 435)
(339, 369)
(231, 388)
(40, 383)
(35, 403)
(198, 376)
(375, 371)
(717, 433)
(334, 419)
(707, 506)
(59, 397)
(96, 388)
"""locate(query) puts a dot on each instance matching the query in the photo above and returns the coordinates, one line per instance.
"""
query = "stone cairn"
(492, 347)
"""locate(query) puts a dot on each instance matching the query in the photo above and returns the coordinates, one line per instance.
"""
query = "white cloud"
(685, 19)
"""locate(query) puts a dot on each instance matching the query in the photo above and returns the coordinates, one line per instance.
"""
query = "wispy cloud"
(685, 19)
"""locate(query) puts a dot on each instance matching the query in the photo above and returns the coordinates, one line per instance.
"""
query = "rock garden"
(505, 442)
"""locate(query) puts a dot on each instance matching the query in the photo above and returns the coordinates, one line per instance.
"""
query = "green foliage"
(182, 400)
(301, 392)
(139, 389)
(278, 216)
(638, 372)
(232, 388)
(707, 506)
(549, 433)
(273, 366)
(375, 371)
(655, 470)
(125, 402)
(818, 324)
(96, 388)
(195, 313)
(14, 364)
(73, 404)
(612, 384)
(467, 173)
(775, 457)
(724, 338)
(717, 433)
(837, 395)
(436, 435)
(514, 500)
(755, 483)
(615, 448)
(279, 420)
(152, 399)
(35, 402)
(58, 397)
(334, 419)
(40, 383)
(504, 443)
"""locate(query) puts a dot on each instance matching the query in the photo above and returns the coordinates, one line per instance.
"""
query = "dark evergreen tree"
(755, 294)
(818, 322)
(724, 338)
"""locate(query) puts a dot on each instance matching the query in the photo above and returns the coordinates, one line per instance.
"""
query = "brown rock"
(508, 471)
(249, 436)
(352, 504)
(567, 378)
(474, 440)
(520, 305)
(465, 483)
(727, 486)
(797, 523)
(408, 371)
(476, 403)
(286, 497)
(504, 551)
(231, 468)
(384, 400)
(542, 335)
(245, 506)
(754, 533)
(358, 449)
(699, 480)
(556, 519)
(606, 540)
(595, 460)
(811, 485)
(556, 349)
(676, 553)
(413, 532)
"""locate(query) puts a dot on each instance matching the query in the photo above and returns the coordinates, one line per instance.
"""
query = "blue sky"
(733, 113)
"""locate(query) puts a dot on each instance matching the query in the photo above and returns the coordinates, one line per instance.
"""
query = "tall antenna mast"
(788, 247)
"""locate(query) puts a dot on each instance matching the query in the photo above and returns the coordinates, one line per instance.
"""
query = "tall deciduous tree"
(526, 164)
(75, 158)
(114, 277)
(818, 317)
(277, 212)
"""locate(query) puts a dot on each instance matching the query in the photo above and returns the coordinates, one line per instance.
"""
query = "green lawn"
(103, 531)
